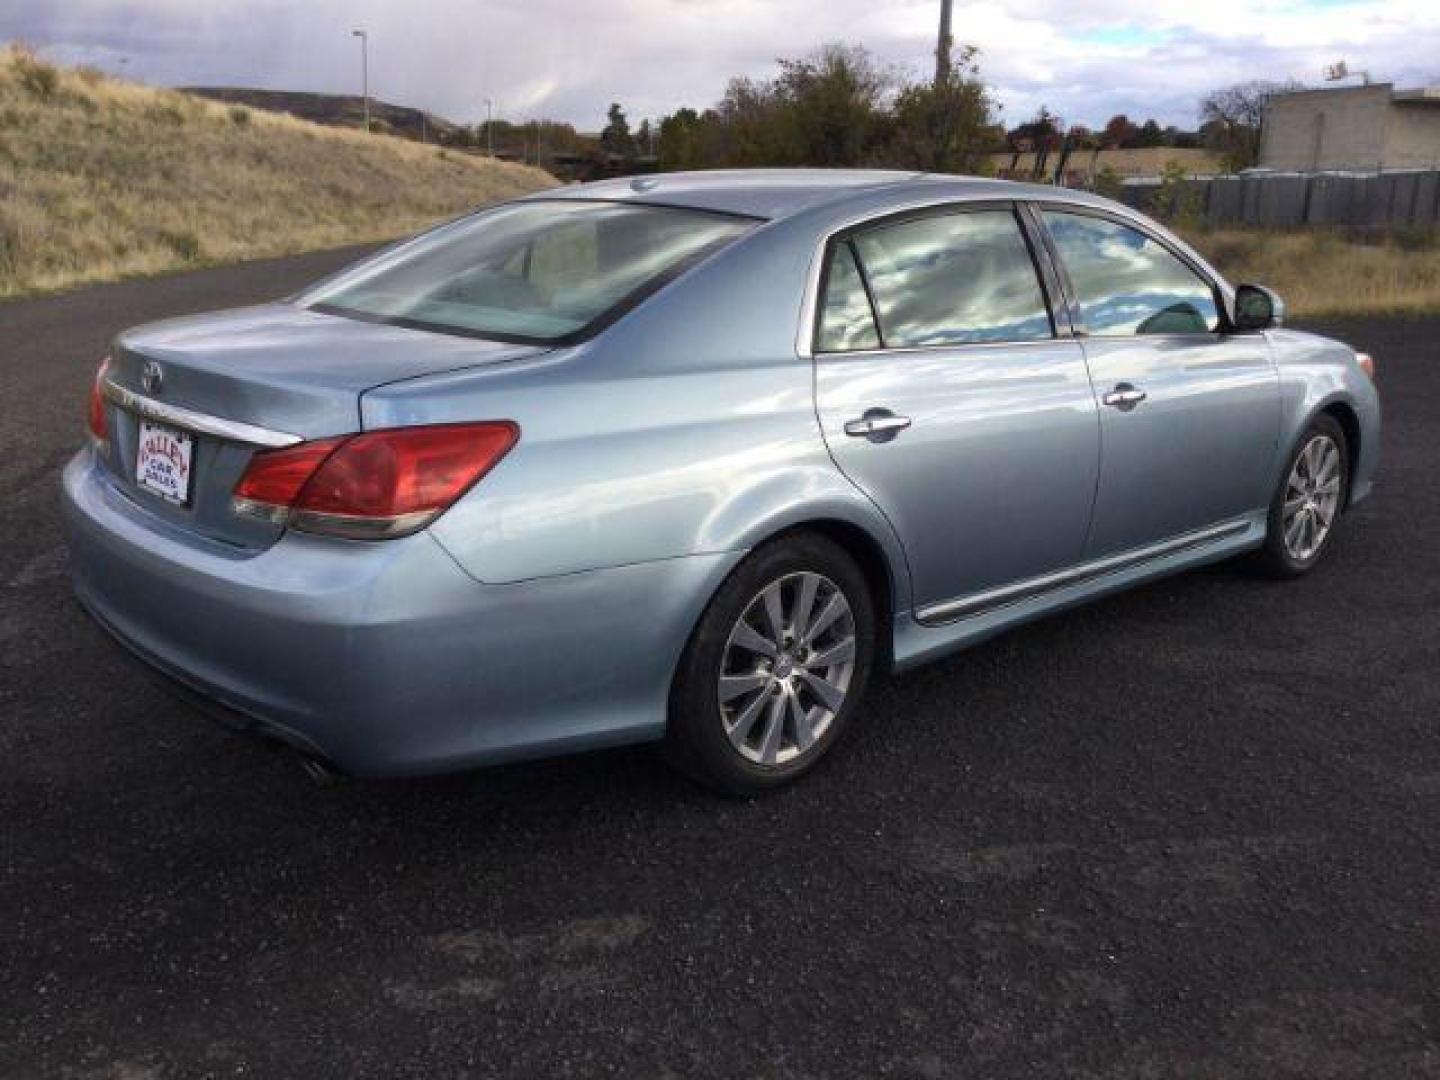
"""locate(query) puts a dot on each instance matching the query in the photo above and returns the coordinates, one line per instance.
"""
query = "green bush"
(1107, 182)
(1177, 199)
(239, 115)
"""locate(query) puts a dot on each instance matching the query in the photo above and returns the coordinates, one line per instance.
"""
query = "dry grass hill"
(102, 179)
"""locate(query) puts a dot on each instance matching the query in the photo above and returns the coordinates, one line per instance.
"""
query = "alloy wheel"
(786, 668)
(1312, 497)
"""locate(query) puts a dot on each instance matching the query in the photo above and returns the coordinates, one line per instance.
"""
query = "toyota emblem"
(152, 378)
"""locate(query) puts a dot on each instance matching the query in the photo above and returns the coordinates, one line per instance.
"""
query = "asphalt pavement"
(1190, 831)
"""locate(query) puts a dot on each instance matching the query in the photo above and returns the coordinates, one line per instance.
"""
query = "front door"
(1189, 413)
(946, 396)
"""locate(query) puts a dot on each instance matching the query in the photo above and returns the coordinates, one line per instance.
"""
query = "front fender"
(1316, 374)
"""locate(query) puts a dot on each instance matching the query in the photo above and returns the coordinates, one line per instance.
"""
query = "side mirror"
(1257, 308)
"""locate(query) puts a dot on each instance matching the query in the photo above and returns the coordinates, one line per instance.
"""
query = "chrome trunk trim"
(148, 408)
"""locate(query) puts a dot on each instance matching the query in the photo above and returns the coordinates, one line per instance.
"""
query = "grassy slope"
(101, 179)
(1320, 273)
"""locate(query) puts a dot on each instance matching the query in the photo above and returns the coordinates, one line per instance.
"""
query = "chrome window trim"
(148, 408)
(810, 301)
(978, 603)
(898, 350)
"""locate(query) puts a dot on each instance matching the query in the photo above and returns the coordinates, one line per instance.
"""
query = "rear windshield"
(534, 271)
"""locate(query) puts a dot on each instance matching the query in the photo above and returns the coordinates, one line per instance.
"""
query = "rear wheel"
(775, 668)
(1306, 505)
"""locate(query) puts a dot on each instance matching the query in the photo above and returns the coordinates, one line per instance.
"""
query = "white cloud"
(570, 58)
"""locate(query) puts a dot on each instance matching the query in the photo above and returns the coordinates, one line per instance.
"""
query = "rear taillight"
(375, 485)
(99, 429)
(274, 478)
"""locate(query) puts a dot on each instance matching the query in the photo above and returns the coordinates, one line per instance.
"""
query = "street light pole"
(489, 127)
(364, 70)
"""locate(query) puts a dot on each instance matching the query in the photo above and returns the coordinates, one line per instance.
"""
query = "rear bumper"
(386, 658)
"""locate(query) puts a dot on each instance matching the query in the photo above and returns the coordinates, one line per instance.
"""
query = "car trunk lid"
(231, 382)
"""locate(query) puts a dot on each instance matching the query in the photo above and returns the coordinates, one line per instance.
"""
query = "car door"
(1189, 411)
(946, 394)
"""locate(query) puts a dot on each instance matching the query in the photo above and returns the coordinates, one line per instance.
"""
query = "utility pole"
(489, 127)
(364, 70)
(942, 47)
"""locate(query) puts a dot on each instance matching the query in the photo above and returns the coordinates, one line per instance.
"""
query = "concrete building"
(1352, 128)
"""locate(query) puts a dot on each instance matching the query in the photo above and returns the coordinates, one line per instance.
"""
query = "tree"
(616, 138)
(1151, 135)
(837, 107)
(645, 138)
(828, 105)
(1041, 133)
(946, 125)
(1119, 133)
(1232, 117)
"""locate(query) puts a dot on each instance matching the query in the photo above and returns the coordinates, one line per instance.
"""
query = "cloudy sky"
(567, 59)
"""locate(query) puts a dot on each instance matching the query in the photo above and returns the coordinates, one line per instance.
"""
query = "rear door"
(946, 394)
(1189, 411)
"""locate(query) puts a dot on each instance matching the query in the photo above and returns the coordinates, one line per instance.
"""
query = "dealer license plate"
(162, 463)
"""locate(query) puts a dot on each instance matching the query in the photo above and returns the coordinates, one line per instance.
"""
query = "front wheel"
(1306, 505)
(775, 668)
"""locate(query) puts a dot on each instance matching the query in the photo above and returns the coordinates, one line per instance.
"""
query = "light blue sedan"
(689, 458)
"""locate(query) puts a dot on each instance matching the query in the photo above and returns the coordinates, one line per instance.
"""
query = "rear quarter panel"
(688, 427)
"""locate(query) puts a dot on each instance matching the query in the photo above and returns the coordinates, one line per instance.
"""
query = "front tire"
(1306, 505)
(775, 669)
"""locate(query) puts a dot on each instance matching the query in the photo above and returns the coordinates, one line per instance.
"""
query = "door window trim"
(808, 339)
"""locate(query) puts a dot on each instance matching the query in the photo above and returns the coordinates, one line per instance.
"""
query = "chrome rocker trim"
(974, 604)
(201, 423)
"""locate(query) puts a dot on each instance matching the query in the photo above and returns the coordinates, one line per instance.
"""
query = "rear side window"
(953, 279)
(1128, 283)
(847, 322)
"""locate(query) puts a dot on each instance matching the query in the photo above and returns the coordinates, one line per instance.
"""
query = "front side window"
(537, 271)
(1128, 283)
(953, 279)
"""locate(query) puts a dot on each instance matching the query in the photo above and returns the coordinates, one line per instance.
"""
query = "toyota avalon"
(688, 459)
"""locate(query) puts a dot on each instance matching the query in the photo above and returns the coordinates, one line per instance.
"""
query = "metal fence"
(1371, 202)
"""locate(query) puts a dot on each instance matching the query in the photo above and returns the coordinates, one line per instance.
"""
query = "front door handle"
(1124, 397)
(877, 425)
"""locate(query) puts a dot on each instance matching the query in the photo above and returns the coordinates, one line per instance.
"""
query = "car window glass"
(954, 279)
(1128, 283)
(846, 321)
(534, 271)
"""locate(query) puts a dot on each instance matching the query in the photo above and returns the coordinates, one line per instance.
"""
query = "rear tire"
(1307, 502)
(775, 669)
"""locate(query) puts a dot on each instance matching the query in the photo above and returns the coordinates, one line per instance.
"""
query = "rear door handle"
(1124, 397)
(877, 425)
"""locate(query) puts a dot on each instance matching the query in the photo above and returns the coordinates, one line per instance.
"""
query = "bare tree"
(1232, 116)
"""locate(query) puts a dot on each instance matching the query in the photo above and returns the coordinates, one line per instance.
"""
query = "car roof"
(778, 193)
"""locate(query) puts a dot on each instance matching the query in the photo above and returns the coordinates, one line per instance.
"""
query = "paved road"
(1191, 831)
